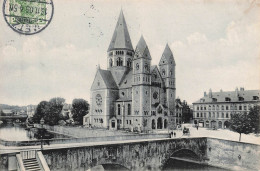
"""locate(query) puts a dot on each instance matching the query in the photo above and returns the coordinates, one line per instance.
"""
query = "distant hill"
(12, 107)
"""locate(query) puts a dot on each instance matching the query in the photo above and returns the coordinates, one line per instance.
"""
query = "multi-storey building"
(216, 108)
(131, 93)
(178, 111)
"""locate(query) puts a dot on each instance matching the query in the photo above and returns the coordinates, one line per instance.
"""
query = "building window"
(163, 71)
(214, 99)
(119, 62)
(198, 108)
(222, 107)
(201, 115)
(201, 108)
(227, 99)
(226, 115)
(217, 114)
(110, 62)
(255, 98)
(198, 115)
(170, 72)
(129, 109)
(226, 107)
(205, 115)
(146, 67)
(118, 109)
(240, 107)
(245, 108)
(209, 115)
(129, 63)
(205, 108)
(222, 115)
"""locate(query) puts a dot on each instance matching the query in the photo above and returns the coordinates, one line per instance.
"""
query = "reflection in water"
(173, 164)
(11, 132)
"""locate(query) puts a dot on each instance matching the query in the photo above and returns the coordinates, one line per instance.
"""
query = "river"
(15, 132)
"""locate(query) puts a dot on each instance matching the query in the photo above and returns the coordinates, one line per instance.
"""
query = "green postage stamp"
(28, 16)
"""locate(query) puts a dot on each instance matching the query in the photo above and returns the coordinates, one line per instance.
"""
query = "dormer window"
(227, 99)
(214, 99)
(255, 98)
(241, 98)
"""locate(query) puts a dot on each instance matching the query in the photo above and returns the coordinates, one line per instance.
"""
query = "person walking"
(174, 134)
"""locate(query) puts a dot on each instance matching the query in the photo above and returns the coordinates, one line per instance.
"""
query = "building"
(178, 111)
(215, 108)
(30, 110)
(183, 111)
(66, 110)
(132, 94)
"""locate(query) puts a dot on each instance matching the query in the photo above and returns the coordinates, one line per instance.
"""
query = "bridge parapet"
(141, 155)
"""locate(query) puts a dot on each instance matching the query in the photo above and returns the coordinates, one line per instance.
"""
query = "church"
(131, 93)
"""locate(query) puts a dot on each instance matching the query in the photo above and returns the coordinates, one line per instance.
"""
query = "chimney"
(242, 89)
(205, 93)
(237, 92)
(210, 93)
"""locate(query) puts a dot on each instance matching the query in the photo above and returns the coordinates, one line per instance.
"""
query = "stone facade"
(215, 108)
(139, 96)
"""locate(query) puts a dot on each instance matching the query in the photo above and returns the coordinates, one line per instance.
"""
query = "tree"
(80, 108)
(41, 110)
(53, 115)
(241, 123)
(254, 115)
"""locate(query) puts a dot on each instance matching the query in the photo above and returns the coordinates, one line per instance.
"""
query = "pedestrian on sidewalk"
(174, 134)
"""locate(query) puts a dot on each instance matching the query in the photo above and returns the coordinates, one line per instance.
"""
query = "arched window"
(129, 109)
(118, 109)
(129, 63)
(163, 72)
(110, 62)
(119, 62)
(146, 67)
(153, 124)
(165, 123)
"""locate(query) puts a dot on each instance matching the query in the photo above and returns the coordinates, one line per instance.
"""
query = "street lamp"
(41, 132)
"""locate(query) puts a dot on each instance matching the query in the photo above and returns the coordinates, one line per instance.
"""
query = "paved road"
(201, 132)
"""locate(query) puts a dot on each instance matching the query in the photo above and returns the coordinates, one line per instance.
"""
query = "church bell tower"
(120, 51)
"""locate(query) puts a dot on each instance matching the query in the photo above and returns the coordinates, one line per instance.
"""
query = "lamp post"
(41, 132)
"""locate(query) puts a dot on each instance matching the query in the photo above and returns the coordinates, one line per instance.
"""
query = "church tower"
(120, 51)
(141, 94)
(167, 70)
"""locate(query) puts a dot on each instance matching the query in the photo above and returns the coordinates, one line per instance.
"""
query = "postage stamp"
(28, 16)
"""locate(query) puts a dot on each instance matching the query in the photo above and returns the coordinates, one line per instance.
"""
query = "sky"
(215, 43)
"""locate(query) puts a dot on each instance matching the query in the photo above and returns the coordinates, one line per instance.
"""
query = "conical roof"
(167, 56)
(142, 50)
(121, 38)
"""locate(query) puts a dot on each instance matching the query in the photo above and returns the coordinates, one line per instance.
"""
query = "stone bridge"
(136, 155)
(13, 117)
(150, 154)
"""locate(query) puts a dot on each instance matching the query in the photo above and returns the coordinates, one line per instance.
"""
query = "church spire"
(142, 50)
(121, 38)
(167, 56)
